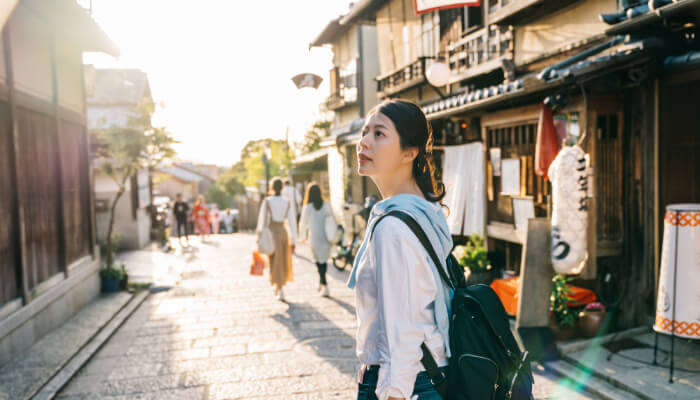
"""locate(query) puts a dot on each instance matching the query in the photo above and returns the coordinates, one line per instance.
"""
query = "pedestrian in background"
(313, 223)
(180, 212)
(276, 214)
(293, 197)
(401, 301)
(215, 218)
(200, 215)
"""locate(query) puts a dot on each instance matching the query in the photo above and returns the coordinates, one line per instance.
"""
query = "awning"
(330, 33)
(642, 16)
(311, 157)
(73, 23)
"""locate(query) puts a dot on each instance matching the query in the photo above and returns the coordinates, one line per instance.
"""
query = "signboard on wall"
(425, 6)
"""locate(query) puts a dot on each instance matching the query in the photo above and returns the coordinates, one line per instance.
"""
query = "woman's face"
(379, 152)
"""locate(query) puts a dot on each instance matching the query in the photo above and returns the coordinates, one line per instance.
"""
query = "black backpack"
(486, 362)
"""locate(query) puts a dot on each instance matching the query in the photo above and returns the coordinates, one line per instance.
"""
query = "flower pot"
(110, 284)
(562, 333)
(484, 277)
(590, 322)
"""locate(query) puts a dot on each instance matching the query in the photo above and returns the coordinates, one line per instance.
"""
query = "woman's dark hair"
(313, 195)
(276, 186)
(415, 131)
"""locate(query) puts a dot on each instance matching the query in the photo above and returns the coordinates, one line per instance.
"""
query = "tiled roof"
(473, 97)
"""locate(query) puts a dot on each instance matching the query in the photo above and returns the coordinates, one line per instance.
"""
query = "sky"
(220, 70)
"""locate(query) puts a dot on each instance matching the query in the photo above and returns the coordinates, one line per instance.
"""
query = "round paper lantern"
(438, 74)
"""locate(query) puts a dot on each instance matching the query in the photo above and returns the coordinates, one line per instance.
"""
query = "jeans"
(322, 272)
(422, 388)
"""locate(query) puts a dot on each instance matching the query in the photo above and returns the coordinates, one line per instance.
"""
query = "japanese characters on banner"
(424, 6)
(569, 175)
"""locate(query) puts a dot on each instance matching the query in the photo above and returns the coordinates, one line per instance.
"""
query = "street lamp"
(438, 73)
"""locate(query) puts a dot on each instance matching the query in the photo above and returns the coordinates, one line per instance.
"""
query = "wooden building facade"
(624, 85)
(48, 257)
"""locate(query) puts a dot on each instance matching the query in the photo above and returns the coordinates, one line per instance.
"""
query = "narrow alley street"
(220, 334)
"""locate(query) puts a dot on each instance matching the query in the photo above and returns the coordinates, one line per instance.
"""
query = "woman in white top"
(401, 302)
(274, 212)
(313, 223)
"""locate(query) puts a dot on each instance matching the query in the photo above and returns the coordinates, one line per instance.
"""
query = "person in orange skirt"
(200, 215)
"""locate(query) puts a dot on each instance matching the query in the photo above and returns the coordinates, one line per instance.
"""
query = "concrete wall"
(50, 309)
(133, 233)
(336, 179)
(369, 64)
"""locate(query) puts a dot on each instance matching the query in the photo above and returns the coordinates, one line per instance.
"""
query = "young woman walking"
(313, 223)
(275, 210)
(401, 302)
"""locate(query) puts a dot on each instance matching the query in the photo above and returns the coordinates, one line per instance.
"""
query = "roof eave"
(361, 10)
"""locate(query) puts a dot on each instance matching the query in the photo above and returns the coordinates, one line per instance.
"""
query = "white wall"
(31, 54)
(552, 32)
(133, 233)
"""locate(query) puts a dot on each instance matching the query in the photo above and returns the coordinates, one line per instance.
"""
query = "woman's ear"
(409, 155)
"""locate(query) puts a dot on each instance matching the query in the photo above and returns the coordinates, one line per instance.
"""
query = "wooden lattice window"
(609, 177)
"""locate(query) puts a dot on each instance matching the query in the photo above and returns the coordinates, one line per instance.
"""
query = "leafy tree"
(314, 135)
(126, 150)
(251, 169)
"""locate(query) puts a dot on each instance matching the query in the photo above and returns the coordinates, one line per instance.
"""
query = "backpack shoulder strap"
(422, 237)
(437, 378)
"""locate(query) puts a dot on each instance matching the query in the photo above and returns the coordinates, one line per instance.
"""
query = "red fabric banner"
(546, 147)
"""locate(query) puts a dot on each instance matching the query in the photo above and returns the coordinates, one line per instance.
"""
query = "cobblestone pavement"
(220, 334)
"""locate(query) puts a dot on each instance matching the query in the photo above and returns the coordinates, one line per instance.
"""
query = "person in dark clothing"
(181, 211)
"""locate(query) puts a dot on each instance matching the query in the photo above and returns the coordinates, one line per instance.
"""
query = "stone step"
(588, 381)
(23, 377)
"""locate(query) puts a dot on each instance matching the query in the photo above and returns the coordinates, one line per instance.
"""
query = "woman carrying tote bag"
(315, 215)
(276, 215)
(401, 301)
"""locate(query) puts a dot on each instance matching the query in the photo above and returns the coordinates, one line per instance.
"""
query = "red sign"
(424, 6)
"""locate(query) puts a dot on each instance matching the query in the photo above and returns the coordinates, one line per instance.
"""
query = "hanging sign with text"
(425, 6)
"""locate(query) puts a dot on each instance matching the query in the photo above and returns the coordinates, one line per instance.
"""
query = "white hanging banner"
(569, 174)
(464, 176)
(425, 6)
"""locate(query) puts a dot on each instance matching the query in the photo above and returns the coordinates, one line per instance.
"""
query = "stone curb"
(61, 378)
(589, 382)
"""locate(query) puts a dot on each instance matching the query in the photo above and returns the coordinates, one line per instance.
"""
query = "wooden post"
(15, 154)
(62, 248)
(89, 171)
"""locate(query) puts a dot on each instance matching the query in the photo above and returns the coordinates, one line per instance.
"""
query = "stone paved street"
(220, 334)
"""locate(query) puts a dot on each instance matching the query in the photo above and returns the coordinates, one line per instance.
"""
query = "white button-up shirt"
(395, 298)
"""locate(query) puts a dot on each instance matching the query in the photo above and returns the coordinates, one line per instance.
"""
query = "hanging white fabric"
(463, 175)
(569, 174)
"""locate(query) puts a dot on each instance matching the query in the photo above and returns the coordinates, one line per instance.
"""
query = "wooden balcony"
(508, 11)
(402, 79)
(480, 52)
(345, 96)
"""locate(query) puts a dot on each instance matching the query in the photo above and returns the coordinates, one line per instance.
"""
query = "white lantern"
(438, 74)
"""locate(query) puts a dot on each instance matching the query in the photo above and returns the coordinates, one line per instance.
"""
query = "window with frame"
(430, 34)
(515, 141)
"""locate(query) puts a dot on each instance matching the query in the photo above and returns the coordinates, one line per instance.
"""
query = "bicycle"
(346, 253)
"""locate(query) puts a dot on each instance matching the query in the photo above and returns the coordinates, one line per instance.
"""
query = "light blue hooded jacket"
(433, 222)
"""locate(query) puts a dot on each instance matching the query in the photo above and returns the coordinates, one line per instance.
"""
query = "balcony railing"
(342, 98)
(480, 52)
(402, 79)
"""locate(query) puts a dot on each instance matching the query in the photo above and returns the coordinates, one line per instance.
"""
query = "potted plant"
(564, 316)
(591, 319)
(473, 258)
(111, 278)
